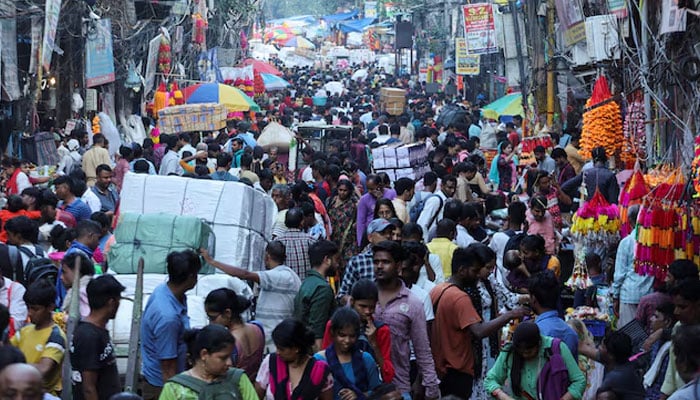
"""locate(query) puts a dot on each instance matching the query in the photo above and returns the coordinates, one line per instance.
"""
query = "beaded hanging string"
(632, 194)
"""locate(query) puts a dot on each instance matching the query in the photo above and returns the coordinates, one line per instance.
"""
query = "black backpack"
(513, 242)
(38, 267)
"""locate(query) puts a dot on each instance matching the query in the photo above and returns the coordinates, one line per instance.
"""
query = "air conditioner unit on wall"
(602, 38)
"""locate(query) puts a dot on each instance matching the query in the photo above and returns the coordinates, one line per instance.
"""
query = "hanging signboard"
(673, 18)
(479, 28)
(618, 7)
(151, 64)
(53, 8)
(571, 17)
(370, 9)
(99, 62)
(465, 63)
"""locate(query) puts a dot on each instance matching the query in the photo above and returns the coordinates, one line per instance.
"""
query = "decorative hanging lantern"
(164, 55)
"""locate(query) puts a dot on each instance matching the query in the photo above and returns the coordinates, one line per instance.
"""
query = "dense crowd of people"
(370, 287)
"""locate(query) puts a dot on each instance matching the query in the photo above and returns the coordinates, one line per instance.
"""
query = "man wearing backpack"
(92, 357)
(499, 241)
(435, 205)
(23, 233)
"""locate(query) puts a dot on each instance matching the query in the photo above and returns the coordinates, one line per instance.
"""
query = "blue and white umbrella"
(273, 82)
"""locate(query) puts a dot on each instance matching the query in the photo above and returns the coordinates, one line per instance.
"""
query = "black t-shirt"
(92, 350)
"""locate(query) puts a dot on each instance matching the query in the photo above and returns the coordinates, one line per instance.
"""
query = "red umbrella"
(262, 67)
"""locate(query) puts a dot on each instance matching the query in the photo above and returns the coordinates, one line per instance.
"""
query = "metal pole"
(644, 19)
(550, 63)
(73, 319)
(133, 364)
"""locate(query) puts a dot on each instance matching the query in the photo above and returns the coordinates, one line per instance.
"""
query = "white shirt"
(91, 199)
(424, 297)
(307, 175)
(22, 182)
(170, 164)
(12, 297)
(432, 211)
(463, 239)
(186, 147)
(436, 265)
(278, 288)
(498, 245)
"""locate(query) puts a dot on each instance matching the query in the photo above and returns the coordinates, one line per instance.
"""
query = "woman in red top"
(375, 337)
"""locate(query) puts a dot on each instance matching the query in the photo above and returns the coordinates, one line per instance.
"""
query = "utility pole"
(644, 21)
(519, 48)
(550, 63)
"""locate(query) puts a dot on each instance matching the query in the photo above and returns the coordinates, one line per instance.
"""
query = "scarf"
(361, 384)
(312, 381)
(473, 292)
(12, 182)
(655, 368)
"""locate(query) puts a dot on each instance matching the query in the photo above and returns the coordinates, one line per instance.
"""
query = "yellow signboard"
(465, 64)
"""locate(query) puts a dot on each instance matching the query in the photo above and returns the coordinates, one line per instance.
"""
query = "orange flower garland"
(602, 123)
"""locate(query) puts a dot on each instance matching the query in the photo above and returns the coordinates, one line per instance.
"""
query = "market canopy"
(273, 82)
(510, 104)
(356, 25)
(299, 42)
(262, 67)
(331, 19)
(233, 98)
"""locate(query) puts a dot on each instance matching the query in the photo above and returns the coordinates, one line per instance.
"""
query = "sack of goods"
(393, 101)
(275, 135)
(153, 237)
(239, 216)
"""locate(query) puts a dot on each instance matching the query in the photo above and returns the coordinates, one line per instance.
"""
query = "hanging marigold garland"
(595, 226)
(695, 168)
(602, 123)
(632, 194)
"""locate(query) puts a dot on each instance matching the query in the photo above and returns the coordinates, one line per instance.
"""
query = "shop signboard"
(479, 28)
(465, 63)
(99, 62)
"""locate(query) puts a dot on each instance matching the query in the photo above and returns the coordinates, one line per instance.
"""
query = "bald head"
(22, 381)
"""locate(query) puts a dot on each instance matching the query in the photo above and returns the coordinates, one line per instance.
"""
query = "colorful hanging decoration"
(595, 227)
(602, 123)
(660, 227)
(164, 55)
(160, 99)
(695, 169)
(199, 30)
(177, 95)
(96, 125)
(634, 131)
(632, 194)
(258, 84)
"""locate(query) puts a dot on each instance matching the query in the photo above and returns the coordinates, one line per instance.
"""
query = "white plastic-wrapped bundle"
(240, 216)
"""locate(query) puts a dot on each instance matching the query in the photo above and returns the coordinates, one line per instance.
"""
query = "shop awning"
(331, 19)
(356, 25)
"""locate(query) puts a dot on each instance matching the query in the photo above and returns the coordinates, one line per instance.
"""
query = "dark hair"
(412, 229)
(685, 347)
(102, 219)
(11, 355)
(526, 336)
(469, 211)
(416, 249)
(683, 269)
(544, 286)
(277, 251)
(345, 317)
(449, 178)
(402, 185)
(294, 218)
(445, 228)
(365, 289)
(88, 227)
(40, 293)
(474, 255)
(452, 210)
(292, 333)
(23, 226)
(15, 203)
(48, 198)
(383, 202)
(182, 265)
(349, 186)
(223, 159)
(533, 243)
(101, 289)
(517, 212)
(381, 390)
(86, 265)
(598, 154)
(212, 338)
(429, 178)
(666, 308)
(246, 160)
(619, 346)
(391, 247)
(558, 152)
(220, 300)
(373, 178)
(103, 168)
(538, 201)
(688, 289)
(307, 208)
(141, 166)
(593, 261)
(320, 250)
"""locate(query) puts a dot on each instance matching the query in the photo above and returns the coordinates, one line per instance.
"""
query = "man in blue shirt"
(164, 323)
(544, 297)
(65, 191)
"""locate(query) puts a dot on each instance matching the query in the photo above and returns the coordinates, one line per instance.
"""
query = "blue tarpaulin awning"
(356, 25)
(331, 19)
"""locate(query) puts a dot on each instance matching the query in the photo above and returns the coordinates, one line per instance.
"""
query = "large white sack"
(240, 216)
(275, 135)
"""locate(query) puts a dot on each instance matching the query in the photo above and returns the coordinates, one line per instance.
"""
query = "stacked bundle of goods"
(632, 194)
(393, 101)
(401, 161)
(595, 227)
(658, 227)
(602, 123)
